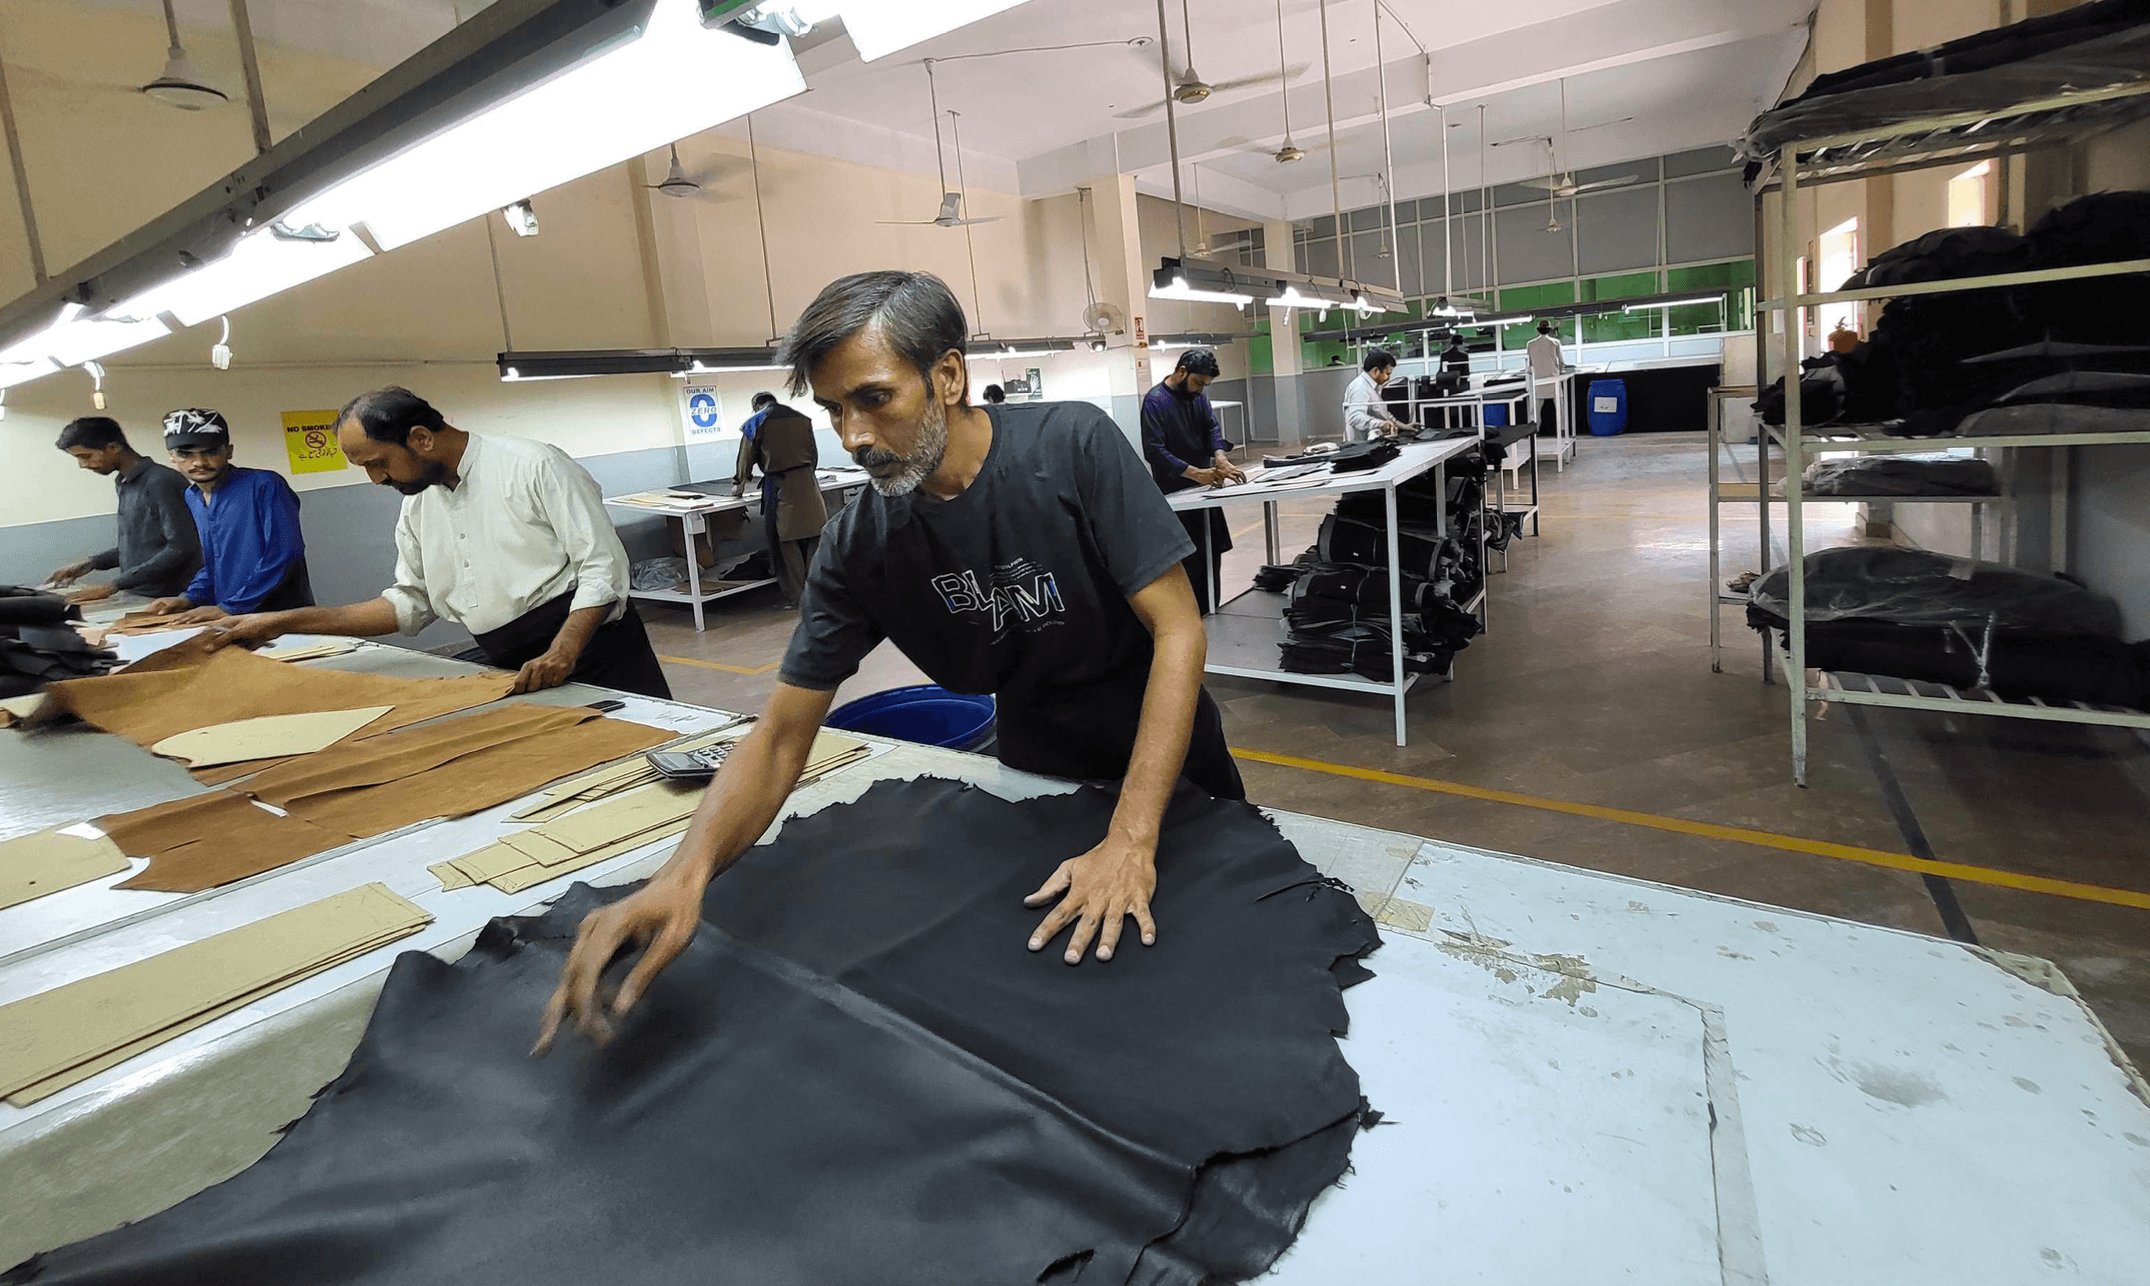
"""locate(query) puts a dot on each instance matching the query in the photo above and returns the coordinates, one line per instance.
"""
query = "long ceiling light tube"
(264, 262)
(671, 79)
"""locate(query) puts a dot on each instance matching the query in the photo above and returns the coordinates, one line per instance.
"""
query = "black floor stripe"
(1907, 823)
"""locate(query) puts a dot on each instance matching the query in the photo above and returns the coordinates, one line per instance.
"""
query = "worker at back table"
(1185, 448)
(1366, 412)
(1547, 370)
(780, 442)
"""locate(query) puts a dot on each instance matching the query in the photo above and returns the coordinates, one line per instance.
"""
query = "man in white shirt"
(1366, 413)
(504, 536)
(1547, 370)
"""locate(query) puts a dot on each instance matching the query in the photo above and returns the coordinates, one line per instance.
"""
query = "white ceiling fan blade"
(964, 223)
(907, 223)
(1140, 112)
(1619, 182)
(1264, 78)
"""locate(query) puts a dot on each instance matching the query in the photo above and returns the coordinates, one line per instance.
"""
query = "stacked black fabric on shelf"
(2038, 358)
(1974, 626)
(1337, 593)
(38, 646)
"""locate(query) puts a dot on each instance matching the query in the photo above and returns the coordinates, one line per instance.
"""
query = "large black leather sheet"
(855, 1074)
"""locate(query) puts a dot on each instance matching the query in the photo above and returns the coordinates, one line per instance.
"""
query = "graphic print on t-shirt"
(1021, 590)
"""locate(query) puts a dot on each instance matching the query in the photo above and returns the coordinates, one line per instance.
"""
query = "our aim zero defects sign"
(310, 442)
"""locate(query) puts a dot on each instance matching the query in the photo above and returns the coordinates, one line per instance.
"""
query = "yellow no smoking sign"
(310, 441)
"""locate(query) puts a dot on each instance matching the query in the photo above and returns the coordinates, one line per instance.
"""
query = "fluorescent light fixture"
(1505, 319)
(1291, 297)
(1189, 339)
(675, 78)
(1172, 282)
(987, 347)
(513, 376)
(1673, 303)
(73, 339)
(579, 363)
(879, 28)
(264, 262)
(708, 361)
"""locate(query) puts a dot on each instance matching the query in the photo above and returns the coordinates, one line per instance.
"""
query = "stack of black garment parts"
(1337, 594)
(38, 645)
(854, 1075)
(1902, 475)
(1974, 626)
(2050, 357)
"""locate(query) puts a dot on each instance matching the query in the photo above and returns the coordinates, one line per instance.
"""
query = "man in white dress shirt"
(1547, 370)
(1366, 412)
(505, 537)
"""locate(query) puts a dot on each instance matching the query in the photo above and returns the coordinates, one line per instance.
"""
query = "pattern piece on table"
(620, 824)
(184, 687)
(855, 1073)
(56, 1038)
(612, 779)
(448, 769)
(33, 865)
(309, 651)
(206, 840)
(268, 736)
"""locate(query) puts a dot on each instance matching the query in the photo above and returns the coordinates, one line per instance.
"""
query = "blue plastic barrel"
(1608, 407)
(929, 715)
(1497, 415)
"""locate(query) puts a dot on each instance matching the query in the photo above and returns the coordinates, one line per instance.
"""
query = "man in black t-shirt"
(1018, 550)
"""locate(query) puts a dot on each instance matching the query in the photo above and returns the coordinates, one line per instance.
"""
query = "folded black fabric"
(23, 606)
(855, 1074)
(2051, 667)
(1915, 587)
(1356, 457)
(38, 645)
(1882, 475)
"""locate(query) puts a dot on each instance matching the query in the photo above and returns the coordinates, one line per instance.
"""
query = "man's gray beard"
(925, 456)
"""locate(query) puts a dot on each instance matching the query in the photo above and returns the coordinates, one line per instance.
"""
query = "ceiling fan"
(1561, 183)
(951, 211)
(675, 182)
(1291, 151)
(1188, 88)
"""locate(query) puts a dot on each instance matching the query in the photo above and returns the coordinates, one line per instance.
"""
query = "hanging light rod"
(525, 96)
(680, 363)
(1214, 281)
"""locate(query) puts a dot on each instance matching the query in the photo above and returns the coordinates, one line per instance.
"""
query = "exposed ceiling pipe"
(1388, 155)
(761, 225)
(1336, 196)
(257, 105)
(1172, 126)
(22, 179)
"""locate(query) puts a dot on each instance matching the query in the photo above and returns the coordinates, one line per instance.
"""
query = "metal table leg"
(691, 524)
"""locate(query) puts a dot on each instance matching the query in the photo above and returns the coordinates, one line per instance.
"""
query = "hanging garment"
(855, 1074)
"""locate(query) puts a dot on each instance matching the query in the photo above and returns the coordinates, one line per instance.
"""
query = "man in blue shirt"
(1185, 448)
(253, 554)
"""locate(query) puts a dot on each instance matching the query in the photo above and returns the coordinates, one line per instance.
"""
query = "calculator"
(702, 761)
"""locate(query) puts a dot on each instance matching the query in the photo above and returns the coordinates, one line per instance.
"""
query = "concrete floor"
(1594, 689)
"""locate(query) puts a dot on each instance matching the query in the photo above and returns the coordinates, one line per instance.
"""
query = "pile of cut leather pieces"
(39, 643)
(326, 757)
(610, 812)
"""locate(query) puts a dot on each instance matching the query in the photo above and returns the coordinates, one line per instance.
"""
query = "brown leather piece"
(202, 841)
(449, 771)
(185, 687)
(390, 757)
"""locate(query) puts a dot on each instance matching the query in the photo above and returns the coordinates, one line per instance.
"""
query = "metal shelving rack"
(1950, 138)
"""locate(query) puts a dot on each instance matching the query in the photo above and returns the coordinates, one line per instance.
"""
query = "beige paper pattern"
(266, 737)
(33, 865)
(45, 1039)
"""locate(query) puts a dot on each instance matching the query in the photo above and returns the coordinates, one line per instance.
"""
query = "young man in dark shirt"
(159, 549)
(1185, 448)
(1018, 550)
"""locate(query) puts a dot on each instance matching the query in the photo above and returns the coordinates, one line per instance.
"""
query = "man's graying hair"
(914, 311)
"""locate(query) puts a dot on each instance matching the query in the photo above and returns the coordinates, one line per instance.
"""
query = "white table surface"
(1586, 1078)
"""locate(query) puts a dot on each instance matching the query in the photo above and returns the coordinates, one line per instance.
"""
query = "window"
(1606, 328)
(1970, 193)
(1735, 277)
(1838, 252)
(1525, 299)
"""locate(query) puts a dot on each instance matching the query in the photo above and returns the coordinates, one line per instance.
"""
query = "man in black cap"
(158, 550)
(253, 553)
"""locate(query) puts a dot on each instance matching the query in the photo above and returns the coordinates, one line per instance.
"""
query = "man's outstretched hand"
(658, 917)
(260, 627)
(1097, 892)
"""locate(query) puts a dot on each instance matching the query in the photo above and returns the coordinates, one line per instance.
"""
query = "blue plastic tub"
(1608, 407)
(925, 713)
(1497, 415)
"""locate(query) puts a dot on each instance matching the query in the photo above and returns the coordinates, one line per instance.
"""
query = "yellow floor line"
(1711, 830)
(719, 665)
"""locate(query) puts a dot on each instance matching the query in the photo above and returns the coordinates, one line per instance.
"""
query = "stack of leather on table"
(1911, 614)
(40, 645)
(1337, 604)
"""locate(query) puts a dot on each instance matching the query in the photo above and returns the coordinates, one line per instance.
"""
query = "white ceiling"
(1690, 72)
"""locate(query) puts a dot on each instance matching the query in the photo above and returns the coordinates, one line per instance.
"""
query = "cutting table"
(1583, 1078)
